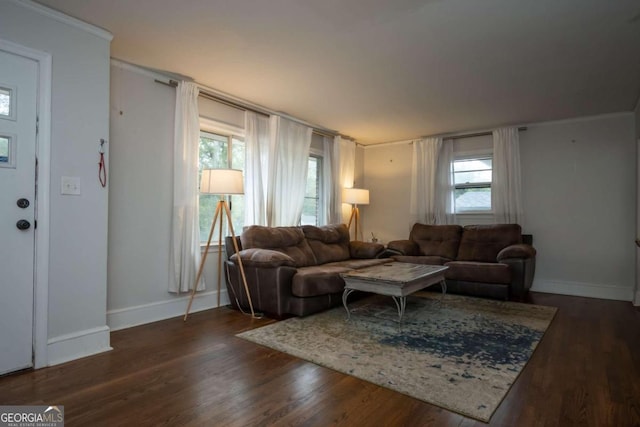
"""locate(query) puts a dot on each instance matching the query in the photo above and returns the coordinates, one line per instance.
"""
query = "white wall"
(579, 186)
(78, 224)
(140, 200)
(387, 175)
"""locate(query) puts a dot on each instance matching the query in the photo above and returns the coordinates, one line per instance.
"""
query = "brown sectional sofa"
(295, 270)
(483, 260)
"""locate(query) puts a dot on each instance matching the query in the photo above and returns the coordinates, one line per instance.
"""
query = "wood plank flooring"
(585, 372)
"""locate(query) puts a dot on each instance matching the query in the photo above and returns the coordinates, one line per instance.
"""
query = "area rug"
(459, 353)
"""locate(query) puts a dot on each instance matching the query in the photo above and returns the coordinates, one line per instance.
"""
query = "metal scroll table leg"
(345, 295)
(401, 304)
(443, 284)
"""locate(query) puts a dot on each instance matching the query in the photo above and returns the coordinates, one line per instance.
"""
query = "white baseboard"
(65, 348)
(139, 315)
(582, 289)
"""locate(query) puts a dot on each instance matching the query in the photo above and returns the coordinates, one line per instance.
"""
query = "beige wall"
(387, 171)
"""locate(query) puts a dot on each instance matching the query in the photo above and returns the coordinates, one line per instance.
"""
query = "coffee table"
(395, 279)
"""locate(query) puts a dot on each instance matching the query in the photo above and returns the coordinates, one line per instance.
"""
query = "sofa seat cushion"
(288, 240)
(483, 272)
(482, 243)
(421, 259)
(328, 243)
(318, 280)
(437, 240)
(364, 250)
(354, 264)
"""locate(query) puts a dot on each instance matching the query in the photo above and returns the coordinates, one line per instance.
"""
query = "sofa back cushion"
(437, 240)
(329, 243)
(482, 243)
(288, 240)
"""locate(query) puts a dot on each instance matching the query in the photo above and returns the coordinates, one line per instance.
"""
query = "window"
(312, 207)
(6, 99)
(472, 180)
(4, 149)
(219, 151)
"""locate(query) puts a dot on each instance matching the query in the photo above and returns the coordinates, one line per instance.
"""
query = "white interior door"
(18, 112)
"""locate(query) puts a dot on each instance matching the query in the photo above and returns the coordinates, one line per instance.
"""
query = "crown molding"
(65, 19)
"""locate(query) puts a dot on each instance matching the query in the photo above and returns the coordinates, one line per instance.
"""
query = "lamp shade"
(221, 181)
(355, 196)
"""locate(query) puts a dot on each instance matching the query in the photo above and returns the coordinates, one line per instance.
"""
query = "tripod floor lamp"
(355, 196)
(222, 182)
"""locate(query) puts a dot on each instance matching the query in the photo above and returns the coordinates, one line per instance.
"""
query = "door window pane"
(5, 102)
(4, 149)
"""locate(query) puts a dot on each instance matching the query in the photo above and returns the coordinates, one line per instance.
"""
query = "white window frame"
(469, 155)
(318, 154)
(229, 131)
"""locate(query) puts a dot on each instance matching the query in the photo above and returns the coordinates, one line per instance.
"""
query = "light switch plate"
(70, 185)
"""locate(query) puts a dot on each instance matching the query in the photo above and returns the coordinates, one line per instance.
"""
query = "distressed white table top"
(398, 272)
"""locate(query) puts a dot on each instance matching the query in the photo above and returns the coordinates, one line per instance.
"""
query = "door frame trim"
(42, 212)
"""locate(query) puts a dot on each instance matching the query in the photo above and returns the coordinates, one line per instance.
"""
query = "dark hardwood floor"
(585, 372)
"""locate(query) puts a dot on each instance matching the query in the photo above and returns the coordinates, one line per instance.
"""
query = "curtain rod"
(205, 94)
(472, 135)
(213, 97)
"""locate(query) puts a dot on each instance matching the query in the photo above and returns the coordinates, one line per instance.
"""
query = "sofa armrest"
(521, 250)
(270, 288)
(266, 258)
(366, 250)
(404, 247)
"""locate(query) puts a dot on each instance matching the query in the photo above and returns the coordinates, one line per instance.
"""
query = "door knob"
(23, 203)
(23, 224)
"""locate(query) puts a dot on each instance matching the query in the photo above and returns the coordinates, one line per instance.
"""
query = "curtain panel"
(185, 230)
(506, 188)
(257, 145)
(330, 183)
(289, 153)
(432, 181)
(345, 165)
(445, 185)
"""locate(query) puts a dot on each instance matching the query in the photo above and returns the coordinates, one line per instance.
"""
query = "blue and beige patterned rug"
(462, 354)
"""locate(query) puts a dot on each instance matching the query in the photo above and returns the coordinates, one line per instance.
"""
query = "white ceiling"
(383, 70)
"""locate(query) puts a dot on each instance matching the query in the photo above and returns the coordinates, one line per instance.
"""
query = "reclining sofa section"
(483, 260)
(295, 270)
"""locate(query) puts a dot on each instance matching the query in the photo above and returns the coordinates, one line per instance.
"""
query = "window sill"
(213, 248)
(475, 218)
(475, 213)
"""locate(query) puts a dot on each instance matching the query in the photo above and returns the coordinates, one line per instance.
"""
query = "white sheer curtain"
(256, 168)
(432, 181)
(506, 187)
(290, 142)
(445, 186)
(330, 183)
(185, 231)
(345, 164)
(423, 179)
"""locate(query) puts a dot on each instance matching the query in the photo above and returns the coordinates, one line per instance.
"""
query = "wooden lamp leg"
(222, 205)
(354, 210)
(204, 256)
(240, 266)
